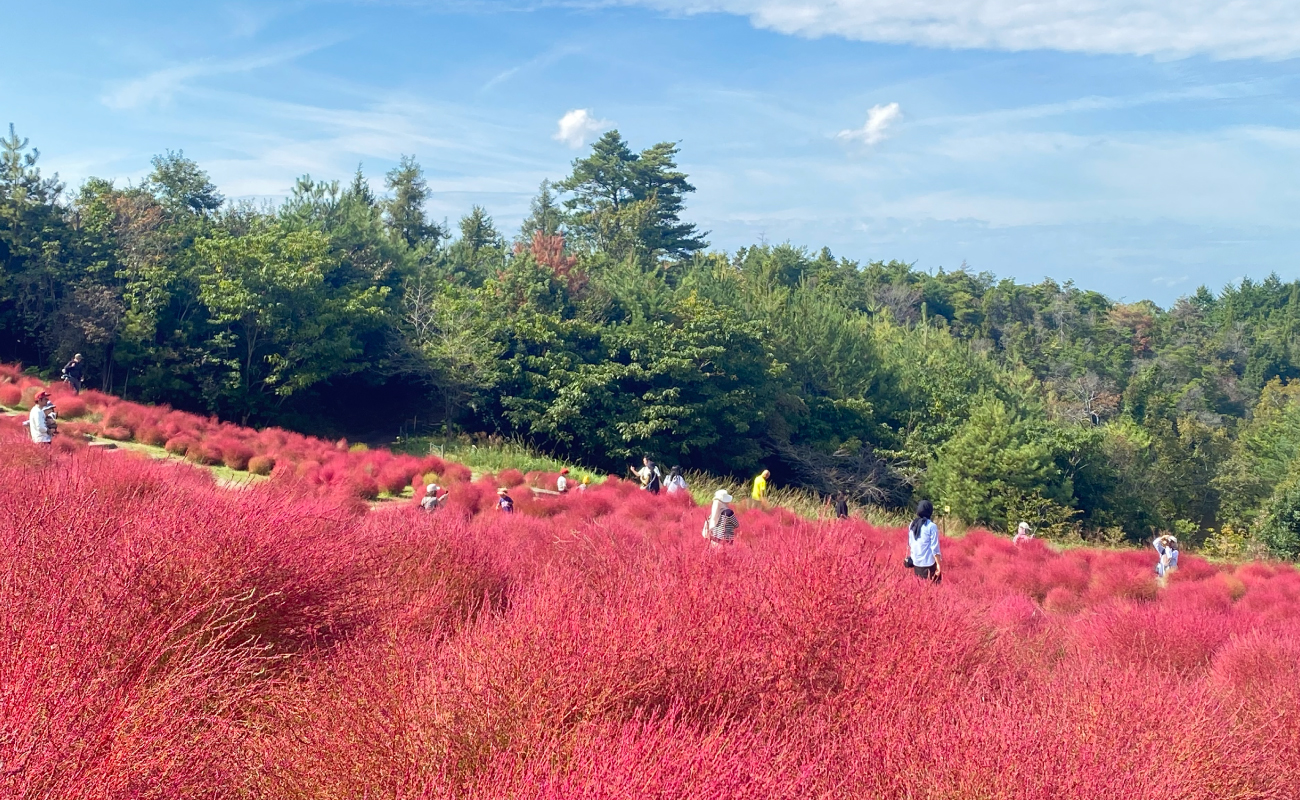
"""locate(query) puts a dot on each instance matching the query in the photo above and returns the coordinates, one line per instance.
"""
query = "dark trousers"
(930, 573)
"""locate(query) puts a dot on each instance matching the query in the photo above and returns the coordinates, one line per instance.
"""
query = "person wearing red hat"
(38, 423)
(562, 482)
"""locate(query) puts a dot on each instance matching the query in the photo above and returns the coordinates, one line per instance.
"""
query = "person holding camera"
(923, 545)
(72, 373)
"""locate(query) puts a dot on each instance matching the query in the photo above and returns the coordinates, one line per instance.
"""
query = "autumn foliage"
(166, 637)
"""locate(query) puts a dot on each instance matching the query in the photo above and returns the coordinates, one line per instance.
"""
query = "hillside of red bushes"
(163, 637)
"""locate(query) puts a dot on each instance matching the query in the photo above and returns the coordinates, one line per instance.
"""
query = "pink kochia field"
(166, 637)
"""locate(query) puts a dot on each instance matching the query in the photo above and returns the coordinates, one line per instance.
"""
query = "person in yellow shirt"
(759, 492)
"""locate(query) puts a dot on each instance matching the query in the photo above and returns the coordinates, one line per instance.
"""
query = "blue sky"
(1138, 147)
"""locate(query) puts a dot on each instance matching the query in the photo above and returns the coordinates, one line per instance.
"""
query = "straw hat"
(722, 495)
(502, 490)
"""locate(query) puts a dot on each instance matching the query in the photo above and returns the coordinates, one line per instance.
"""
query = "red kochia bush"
(10, 394)
(165, 637)
(261, 465)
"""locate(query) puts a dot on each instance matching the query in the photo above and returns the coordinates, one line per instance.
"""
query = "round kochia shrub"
(261, 465)
(10, 394)
(179, 445)
(151, 435)
(116, 433)
(235, 454)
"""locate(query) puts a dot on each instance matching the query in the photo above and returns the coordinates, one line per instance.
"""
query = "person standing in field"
(759, 492)
(840, 503)
(562, 482)
(1023, 533)
(923, 544)
(38, 424)
(1167, 549)
(505, 504)
(72, 373)
(649, 475)
(675, 482)
(720, 527)
(433, 497)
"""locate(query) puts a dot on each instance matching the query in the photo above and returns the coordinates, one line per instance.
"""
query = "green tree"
(995, 456)
(624, 200)
(279, 326)
(181, 186)
(405, 209)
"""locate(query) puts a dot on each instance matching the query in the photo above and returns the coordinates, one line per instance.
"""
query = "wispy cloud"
(540, 62)
(577, 126)
(1167, 28)
(161, 85)
(879, 120)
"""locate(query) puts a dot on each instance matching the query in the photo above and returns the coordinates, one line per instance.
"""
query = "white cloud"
(161, 85)
(876, 129)
(1166, 28)
(577, 126)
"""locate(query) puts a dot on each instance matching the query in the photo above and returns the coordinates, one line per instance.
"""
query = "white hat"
(722, 495)
(433, 487)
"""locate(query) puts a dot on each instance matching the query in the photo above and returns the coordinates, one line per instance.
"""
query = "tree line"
(605, 327)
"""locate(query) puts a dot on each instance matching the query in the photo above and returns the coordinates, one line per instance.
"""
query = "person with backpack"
(649, 475)
(39, 422)
(923, 545)
(72, 373)
(722, 522)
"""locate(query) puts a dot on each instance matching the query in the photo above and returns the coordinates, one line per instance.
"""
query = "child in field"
(562, 482)
(505, 503)
(586, 481)
(1167, 549)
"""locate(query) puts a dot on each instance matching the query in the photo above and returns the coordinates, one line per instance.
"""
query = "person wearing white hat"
(720, 527)
(432, 497)
(1023, 533)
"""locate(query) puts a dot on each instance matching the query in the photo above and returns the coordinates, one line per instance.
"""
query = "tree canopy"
(604, 329)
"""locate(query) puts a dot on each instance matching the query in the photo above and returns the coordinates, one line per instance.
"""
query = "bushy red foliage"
(261, 465)
(165, 637)
(10, 394)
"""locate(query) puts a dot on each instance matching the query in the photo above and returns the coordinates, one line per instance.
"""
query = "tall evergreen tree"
(624, 201)
(405, 209)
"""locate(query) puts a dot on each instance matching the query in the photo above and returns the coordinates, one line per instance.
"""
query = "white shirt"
(924, 548)
(676, 483)
(37, 425)
(562, 483)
